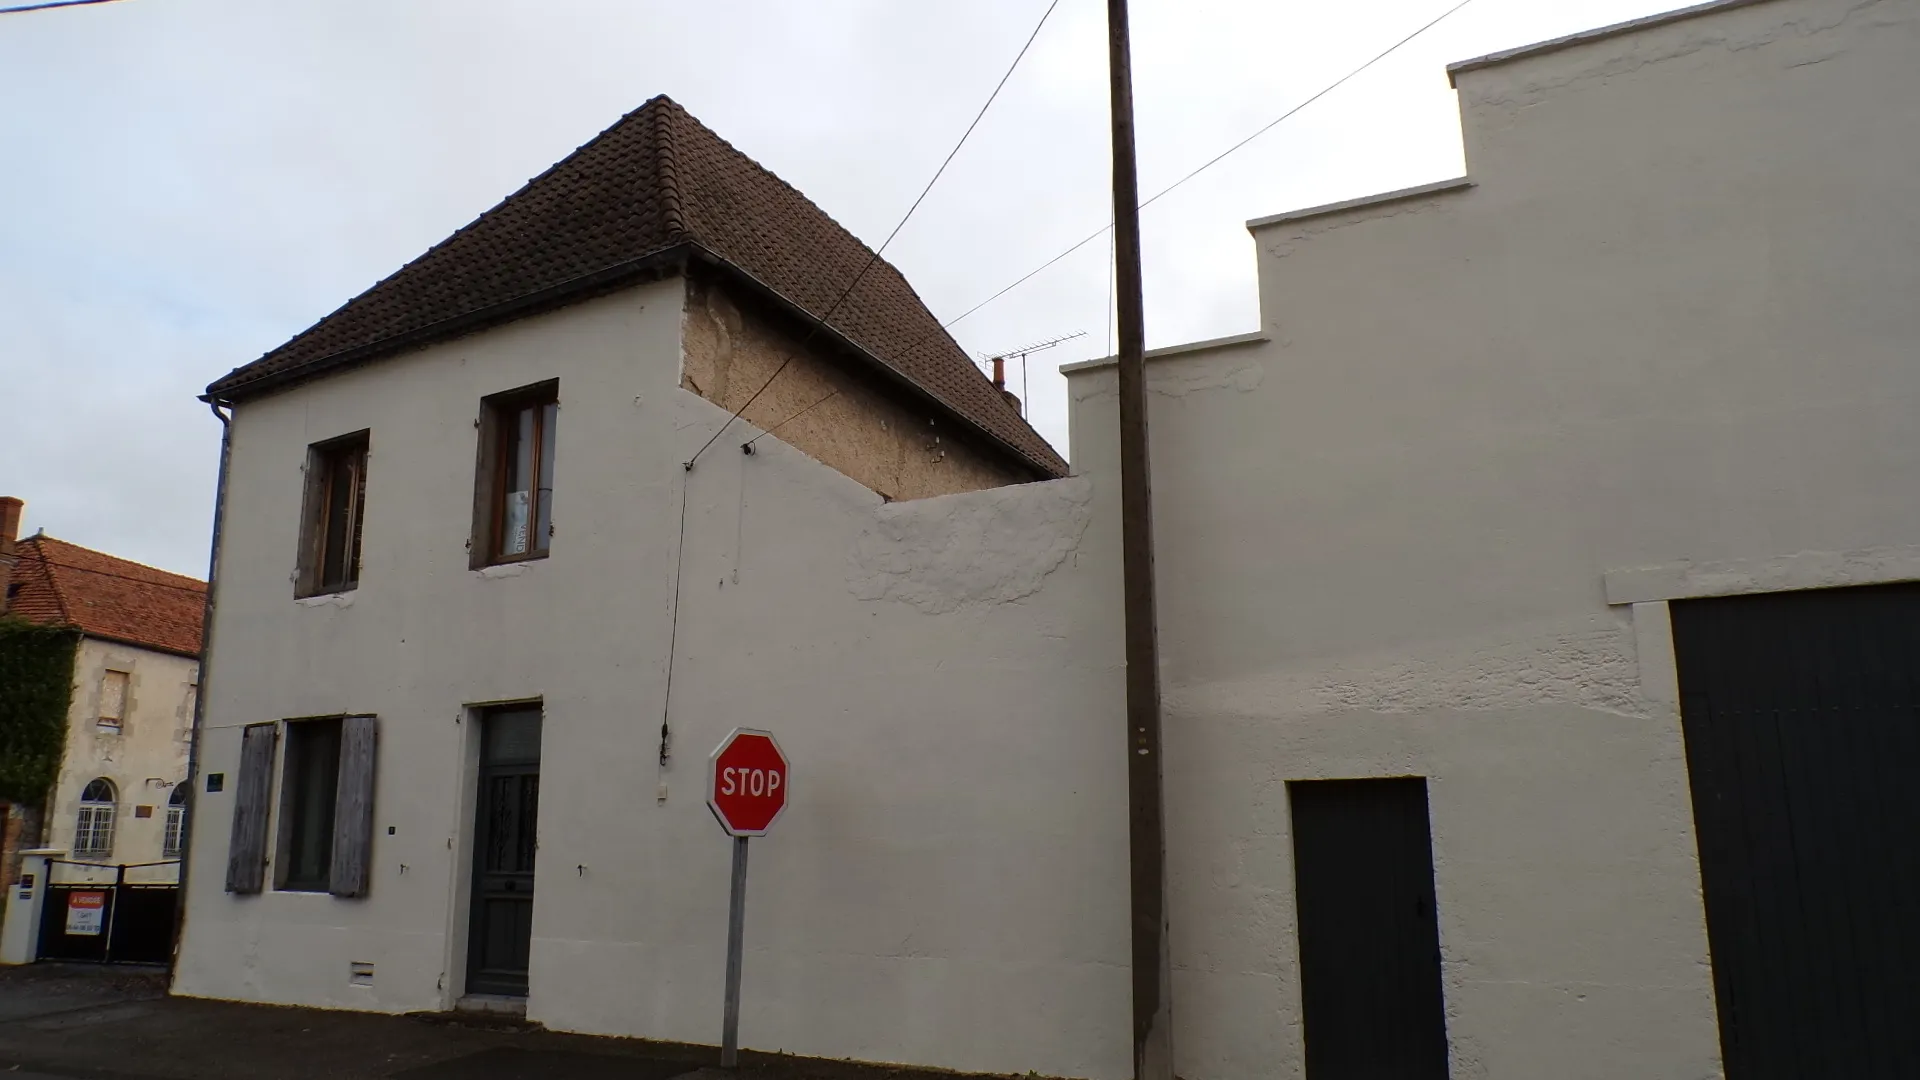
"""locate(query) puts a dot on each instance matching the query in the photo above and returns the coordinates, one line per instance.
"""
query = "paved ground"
(59, 1021)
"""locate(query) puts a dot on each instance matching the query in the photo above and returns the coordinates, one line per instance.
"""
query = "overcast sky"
(188, 183)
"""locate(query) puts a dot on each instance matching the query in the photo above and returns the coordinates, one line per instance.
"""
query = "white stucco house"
(1535, 588)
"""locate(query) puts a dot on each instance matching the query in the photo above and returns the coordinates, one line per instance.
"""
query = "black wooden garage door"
(1803, 732)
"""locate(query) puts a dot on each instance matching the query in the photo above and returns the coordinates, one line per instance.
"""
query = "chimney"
(10, 508)
(1000, 384)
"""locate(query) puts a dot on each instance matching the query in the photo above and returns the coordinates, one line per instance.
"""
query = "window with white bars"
(93, 831)
(176, 822)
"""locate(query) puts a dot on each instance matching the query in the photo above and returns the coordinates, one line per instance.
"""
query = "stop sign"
(747, 782)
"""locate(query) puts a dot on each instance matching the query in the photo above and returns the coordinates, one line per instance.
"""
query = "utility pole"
(1146, 819)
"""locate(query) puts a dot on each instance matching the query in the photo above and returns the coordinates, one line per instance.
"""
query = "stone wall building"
(118, 799)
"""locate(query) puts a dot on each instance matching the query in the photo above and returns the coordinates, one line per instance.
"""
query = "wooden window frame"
(314, 523)
(490, 476)
(283, 880)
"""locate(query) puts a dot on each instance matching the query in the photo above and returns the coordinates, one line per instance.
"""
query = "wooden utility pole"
(1147, 833)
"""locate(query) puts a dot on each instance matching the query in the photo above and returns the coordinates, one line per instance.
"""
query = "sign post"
(747, 785)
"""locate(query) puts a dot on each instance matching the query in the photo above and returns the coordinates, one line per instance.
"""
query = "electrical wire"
(924, 192)
(831, 394)
(679, 558)
(50, 4)
(1210, 163)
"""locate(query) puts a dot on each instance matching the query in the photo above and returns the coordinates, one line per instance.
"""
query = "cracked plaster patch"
(1594, 667)
(980, 547)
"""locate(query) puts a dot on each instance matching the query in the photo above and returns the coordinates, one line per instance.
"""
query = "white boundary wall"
(1427, 519)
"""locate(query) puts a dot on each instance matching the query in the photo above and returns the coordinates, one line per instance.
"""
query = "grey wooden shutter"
(353, 809)
(247, 852)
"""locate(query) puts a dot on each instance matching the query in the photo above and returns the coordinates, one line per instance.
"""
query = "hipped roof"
(656, 186)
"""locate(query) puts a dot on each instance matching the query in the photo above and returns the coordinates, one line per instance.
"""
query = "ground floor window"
(176, 822)
(93, 831)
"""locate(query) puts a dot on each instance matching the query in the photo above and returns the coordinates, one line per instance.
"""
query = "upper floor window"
(176, 832)
(93, 831)
(331, 521)
(113, 699)
(513, 489)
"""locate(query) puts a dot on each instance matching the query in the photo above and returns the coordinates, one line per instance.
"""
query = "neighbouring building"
(1535, 585)
(119, 797)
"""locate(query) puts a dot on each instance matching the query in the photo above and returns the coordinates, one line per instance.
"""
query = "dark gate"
(1802, 728)
(116, 922)
(505, 835)
(1369, 934)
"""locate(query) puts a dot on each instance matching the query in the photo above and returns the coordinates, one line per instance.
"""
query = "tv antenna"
(999, 362)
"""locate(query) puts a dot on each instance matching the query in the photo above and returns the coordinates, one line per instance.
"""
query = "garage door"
(1803, 731)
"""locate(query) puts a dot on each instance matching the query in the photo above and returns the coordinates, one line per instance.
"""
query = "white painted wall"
(1672, 327)
(145, 757)
(948, 885)
(1425, 522)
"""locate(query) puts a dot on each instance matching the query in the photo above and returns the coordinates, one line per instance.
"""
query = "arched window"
(93, 838)
(176, 821)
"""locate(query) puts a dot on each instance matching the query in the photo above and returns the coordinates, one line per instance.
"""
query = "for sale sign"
(86, 914)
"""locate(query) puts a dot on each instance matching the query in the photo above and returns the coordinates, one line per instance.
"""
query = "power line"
(50, 4)
(1215, 160)
(951, 154)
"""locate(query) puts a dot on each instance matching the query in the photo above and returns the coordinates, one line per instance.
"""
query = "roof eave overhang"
(132, 643)
(653, 264)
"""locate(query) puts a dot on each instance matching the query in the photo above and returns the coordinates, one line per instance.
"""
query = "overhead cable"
(848, 291)
(1210, 163)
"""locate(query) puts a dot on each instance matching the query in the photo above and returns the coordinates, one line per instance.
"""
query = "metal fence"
(127, 919)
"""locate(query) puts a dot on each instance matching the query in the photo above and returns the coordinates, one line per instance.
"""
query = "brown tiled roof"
(655, 182)
(62, 584)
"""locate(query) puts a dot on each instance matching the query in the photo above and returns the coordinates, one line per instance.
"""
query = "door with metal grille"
(500, 921)
(1369, 934)
(1802, 727)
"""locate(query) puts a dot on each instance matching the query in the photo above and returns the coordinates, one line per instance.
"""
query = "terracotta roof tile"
(655, 181)
(62, 584)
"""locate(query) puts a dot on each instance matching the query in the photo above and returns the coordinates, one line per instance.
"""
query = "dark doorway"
(1369, 934)
(1802, 721)
(504, 838)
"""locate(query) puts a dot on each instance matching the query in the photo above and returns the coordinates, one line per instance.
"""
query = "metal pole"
(1146, 826)
(736, 933)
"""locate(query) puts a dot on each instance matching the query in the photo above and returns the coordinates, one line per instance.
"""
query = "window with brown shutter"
(513, 481)
(333, 516)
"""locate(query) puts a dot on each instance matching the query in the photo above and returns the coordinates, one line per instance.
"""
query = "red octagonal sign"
(747, 782)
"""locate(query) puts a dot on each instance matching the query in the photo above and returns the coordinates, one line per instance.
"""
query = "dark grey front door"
(505, 836)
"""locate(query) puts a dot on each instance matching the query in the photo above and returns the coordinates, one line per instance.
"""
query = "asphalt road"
(75, 1022)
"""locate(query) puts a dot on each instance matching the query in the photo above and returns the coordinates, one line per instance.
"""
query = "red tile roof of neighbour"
(62, 584)
(657, 182)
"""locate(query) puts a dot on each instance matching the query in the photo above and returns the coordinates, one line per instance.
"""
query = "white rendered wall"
(145, 757)
(948, 886)
(1672, 328)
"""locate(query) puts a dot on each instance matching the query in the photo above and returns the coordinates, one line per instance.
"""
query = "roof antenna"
(999, 362)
